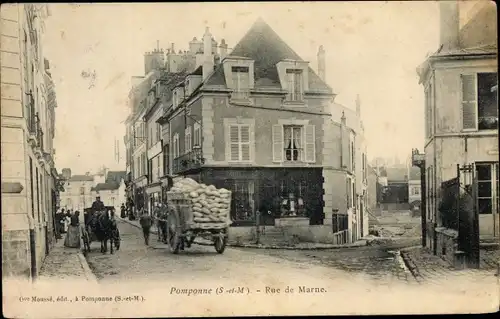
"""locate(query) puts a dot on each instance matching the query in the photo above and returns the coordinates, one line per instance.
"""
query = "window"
(353, 157)
(175, 146)
(158, 132)
(487, 193)
(32, 190)
(479, 101)
(349, 192)
(415, 191)
(38, 194)
(150, 169)
(293, 143)
(158, 167)
(239, 142)
(295, 85)
(187, 140)
(166, 160)
(197, 135)
(241, 82)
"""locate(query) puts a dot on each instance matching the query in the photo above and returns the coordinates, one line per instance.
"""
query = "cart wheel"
(220, 244)
(173, 236)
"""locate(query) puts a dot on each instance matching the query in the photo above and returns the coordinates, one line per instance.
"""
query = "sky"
(372, 49)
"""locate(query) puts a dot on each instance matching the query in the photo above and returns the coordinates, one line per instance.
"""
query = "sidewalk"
(65, 263)
(427, 267)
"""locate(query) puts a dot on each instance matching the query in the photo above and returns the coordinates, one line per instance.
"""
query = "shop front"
(140, 196)
(273, 192)
(153, 192)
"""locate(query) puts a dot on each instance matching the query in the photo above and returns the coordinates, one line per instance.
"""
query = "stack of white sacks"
(210, 205)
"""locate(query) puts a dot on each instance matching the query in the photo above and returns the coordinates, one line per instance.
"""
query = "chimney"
(321, 63)
(172, 48)
(358, 105)
(449, 17)
(223, 49)
(208, 64)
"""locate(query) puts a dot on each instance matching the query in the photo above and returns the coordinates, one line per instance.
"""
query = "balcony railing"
(188, 161)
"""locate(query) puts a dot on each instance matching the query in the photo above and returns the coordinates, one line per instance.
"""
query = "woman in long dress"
(73, 236)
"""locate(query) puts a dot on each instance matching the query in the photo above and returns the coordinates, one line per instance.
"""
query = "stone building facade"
(460, 82)
(29, 178)
(260, 122)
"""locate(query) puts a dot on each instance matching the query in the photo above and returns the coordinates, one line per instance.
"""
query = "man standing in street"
(145, 221)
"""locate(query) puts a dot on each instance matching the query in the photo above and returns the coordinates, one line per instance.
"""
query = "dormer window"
(241, 82)
(295, 84)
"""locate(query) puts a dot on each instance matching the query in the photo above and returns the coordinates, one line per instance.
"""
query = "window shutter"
(277, 143)
(345, 147)
(234, 149)
(469, 102)
(310, 144)
(245, 142)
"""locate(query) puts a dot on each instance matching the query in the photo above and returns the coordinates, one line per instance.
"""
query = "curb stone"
(86, 269)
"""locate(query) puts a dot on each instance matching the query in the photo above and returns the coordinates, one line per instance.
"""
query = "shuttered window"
(469, 102)
(175, 146)
(295, 85)
(239, 142)
(188, 140)
(197, 135)
(310, 144)
(241, 82)
(294, 143)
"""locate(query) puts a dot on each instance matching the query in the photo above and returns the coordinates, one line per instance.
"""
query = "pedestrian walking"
(73, 236)
(145, 221)
(123, 212)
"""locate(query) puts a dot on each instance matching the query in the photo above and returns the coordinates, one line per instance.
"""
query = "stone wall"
(447, 247)
(16, 258)
(287, 234)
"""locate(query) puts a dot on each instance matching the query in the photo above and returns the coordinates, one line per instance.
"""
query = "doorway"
(487, 198)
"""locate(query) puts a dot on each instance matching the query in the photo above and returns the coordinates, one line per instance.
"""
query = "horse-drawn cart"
(99, 227)
(183, 227)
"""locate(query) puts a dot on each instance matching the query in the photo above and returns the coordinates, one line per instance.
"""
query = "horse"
(103, 229)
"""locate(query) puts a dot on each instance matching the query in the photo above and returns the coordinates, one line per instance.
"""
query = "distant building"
(112, 190)
(77, 191)
(414, 187)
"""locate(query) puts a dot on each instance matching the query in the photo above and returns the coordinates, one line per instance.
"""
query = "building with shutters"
(461, 111)
(29, 177)
(261, 123)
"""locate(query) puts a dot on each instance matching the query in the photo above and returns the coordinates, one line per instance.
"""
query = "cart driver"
(98, 205)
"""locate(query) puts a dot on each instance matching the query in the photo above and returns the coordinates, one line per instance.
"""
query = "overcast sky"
(372, 49)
